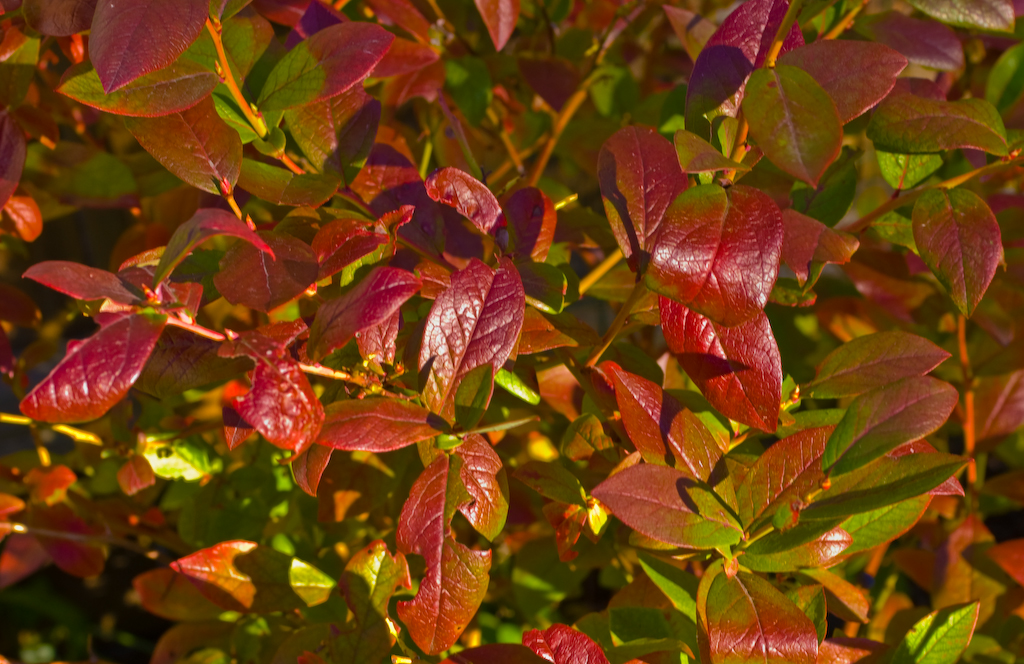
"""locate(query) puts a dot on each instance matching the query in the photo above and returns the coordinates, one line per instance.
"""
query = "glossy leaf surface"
(907, 123)
(470, 197)
(203, 225)
(82, 282)
(172, 89)
(377, 425)
(266, 279)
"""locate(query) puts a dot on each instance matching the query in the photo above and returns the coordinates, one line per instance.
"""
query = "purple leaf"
(59, 18)
(926, 43)
(531, 221)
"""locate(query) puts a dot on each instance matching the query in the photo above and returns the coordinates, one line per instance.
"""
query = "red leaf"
(495, 653)
(23, 214)
(670, 506)
(18, 308)
(12, 156)
(562, 644)
(531, 221)
(482, 474)
(788, 470)
(372, 301)
(738, 369)
(473, 200)
(96, 373)
(855, 74)
(130, 38)
(22, 555)
(135, 475)
(282, 405)
(204, 224)
(342, 242)
(806, 241)
(377, 342)
(49, 484)
(500, 17)
(1000, 405)
(1010, 556)
(74, 557)
(250, 277)
(476, 321)
(959, 240)
(173, 596)
(236, 430)
(718, 252)
(10, 505)
(403, 14)
(455, 581)
(660, 428)
(553, 78)
(841, 650)
(195, 144)
(377, 424)
(81, 281)
(640, 176)
(59, 18)
(404, 57)
(308, 467)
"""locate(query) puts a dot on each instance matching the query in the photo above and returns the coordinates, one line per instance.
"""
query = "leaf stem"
(595, 275)
(844, 23)
(620, 319)
(292, 166)
(561, 122)
(968, 387)
(90, 538)
(254, 118)
(739, 147)
(78, 435)
(230, 198)
(766, 529)
(780, 35)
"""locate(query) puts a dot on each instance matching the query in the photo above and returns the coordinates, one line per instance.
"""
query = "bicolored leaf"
(1009, 556)
(561, 644)
(194, 144)
(846, 600)
(669, 506)
(309, 465)
(281, 404)
(96, 373)
(938, 638)
(130, 38)
(370, 578)
(717, 252)
(204, 224)
(475, 321)
(531, 221)
(49, 484)
(738, 369)
(372, 301)
(172, 89)
(82, 282)
(470, 197)
(807, 241)
(783, 551)
(698, 156)
(500, 17)
(995, 15)
(856, 75)
(884, 418)
(336, 134)
(243, 576)
(324, 65)
(377, 424)
(907, 123)
(12, 156)
(173, 596)
(184, 361)
(60, 18)
(786, 472)
(793, 120)
(873, 361)
(639, 174)
(745, 620)
(662, 430)
(482, 475)
(266, 278)
(959, 240)
(135, 475)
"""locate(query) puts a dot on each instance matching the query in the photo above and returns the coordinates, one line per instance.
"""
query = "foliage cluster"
(518, 330)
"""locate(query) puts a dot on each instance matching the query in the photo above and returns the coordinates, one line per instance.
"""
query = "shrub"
(598, 331)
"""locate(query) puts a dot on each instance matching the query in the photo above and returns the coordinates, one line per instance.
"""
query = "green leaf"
(808, 544)
(513, 384)
(793, 121)
(614, 91)
(811, 600)
(168, 90)
(905, 171)
(370, 578)
(679, 585)
(940, 637)
(281, 186)
(545, 286)
(698, 156)
(906, 123)
(552, 480)
(882, 525)
(584, 437)
(1006, 80)
(997, 15)
(473, 395)
(469, 81)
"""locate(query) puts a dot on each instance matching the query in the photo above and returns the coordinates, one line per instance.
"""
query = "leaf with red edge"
(470, 197)
(18, 308)
(531, 221)
(455, 580)
(282, 187)
(82, 282)
(476, 321)
(324, 65)
(49, 484)
(744, 619)
(204, 224)
(718, 252)
(184, 361)
(265, 279)
(788, 470)
(783, 551)
(403, 14)
(405, 57)
(336, 134)
(370, 578)
(22, 217)
(640, 177)
(130, 38)
(74, 557)
(1010, 556)
(483, 476)
(995, 15)
(738, 369)
(908, 123)
(670, 506)
(12, 156)
(96, 373)
(194, 144)
(135, 475)
(344, 241)
(282, 405)
(243, 576)
(807, 241)
(59, 18)
(793, 120)
(308, 467)
(377, 424)
(874, 360)
(172, 89)
(173, 596)
(855, 74)
(561, 644)
(661, 429)
(959, 240)
(884, 418)
(372, 301)
(377, 343)
(496, 653)
(500, 17)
